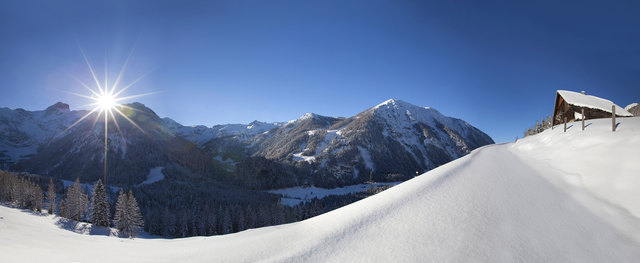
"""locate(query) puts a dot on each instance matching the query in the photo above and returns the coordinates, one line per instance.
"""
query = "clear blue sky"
(494, 64)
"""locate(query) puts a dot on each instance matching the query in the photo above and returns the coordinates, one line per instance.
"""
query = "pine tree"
(168, 222)
(38, 200)
(127, 218)
(51, 197)
(120, 217)
(212, 222)
(241, 223)
(100, 205)
(225, 223)
(77, 202)
(62, 209)
(250, 217)
(135, 216)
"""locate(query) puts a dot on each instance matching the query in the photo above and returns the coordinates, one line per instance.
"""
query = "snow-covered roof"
(593, 102)
(630, 106)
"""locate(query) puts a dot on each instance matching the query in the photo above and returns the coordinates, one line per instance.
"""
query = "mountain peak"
(308, 115)
(137, 105)
(394, 103)
(393, 109)
(59, 106)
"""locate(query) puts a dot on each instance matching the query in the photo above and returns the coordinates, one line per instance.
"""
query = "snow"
(300, 157)
(630, 106)
(201, 134)
(592, 102)
(331, 134)
(295, 195)
(367, 158)
(155, 175)
(551, 197)
(603, 162)
(21, 131)
(320, 148)
(401, 117)
(307, 116)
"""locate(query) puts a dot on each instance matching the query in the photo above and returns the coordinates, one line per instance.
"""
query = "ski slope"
(552, 197)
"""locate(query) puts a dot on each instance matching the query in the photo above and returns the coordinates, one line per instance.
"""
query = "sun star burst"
(107, 102)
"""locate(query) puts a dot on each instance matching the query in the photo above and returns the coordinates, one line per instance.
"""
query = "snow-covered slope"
(132, 149)
(21, 131)
(201, 134)
(393, 140)
(552, 197)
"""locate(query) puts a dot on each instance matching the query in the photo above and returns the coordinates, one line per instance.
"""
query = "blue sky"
(496, 65)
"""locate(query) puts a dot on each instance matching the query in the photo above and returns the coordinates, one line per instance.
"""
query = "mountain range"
(392, 141)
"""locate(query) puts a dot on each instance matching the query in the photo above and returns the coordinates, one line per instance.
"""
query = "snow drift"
(552, 197)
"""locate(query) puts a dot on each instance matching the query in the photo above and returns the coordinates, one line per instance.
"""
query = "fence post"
(583, 119)
(565, 124)
(613, 117)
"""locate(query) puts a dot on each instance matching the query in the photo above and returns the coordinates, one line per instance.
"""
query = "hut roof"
(593, 102)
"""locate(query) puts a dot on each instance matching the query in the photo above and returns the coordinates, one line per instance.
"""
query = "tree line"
(540, 126)
(24, 192)
(166, 208)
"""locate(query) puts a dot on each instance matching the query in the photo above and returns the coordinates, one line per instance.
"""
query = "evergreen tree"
(239, 218)
(127, 218)
(120, 216)
(51, 197)
(62, 209)
(250, 217)
(38, 200)
(135, 216)
(168, 223)
(212, 222)
(225, 223)
(100, 205)
(77, 202)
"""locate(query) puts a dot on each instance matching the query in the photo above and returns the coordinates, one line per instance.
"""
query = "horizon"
(231, 62)
(281, 121)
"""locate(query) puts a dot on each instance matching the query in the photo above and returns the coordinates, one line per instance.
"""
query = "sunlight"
(106, 101)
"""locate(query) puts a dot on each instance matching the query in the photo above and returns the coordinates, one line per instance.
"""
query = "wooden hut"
(569, 105)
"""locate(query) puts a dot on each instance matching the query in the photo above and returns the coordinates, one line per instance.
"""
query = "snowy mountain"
(132, 151)
(394, 140)
(201, 134)
(22, 132)
(551, 197)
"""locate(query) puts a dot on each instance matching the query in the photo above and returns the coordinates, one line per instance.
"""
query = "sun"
(106, 102)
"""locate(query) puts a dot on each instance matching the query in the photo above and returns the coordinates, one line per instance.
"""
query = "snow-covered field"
(552, 197)
(155, 175)
(295, 195)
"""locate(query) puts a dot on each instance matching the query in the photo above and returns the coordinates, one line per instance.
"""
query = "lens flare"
(107, 102)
